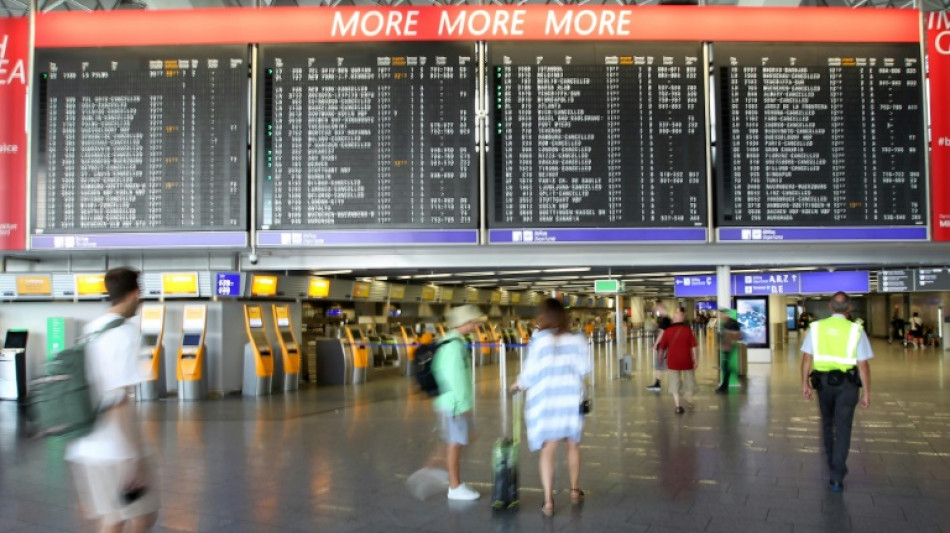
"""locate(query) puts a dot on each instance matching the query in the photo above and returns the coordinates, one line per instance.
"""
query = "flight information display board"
(368, 143)
(933, 279)
(597, 142)
(897, 280)
(140, 147)
(820, 142)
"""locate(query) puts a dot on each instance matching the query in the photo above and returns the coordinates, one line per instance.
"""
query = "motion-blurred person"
(916, 330)
(451, 367)
(553, 377)
(835, 358)
(730, 333)
(663, 322)
(897, 327)
(679, 345)
(113, 471)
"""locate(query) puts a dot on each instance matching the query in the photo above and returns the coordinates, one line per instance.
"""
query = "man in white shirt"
(112, 470)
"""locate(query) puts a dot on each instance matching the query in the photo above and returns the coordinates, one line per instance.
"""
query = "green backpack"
(61, 402)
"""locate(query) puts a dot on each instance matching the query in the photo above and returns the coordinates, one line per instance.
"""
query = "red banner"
(14, 54)
(475, 23)
(938, 56)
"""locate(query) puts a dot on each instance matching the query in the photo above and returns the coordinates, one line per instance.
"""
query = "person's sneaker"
(722, 389)
(836, 486)
(463, 493)
(655, 387)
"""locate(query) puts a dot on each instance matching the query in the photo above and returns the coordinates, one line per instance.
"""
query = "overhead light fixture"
(515, 272)
(474, 274)
(403, 277)
(432, 276)
(575, 269)
(331, 272)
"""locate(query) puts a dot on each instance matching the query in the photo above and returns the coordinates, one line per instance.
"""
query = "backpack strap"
(95, 334)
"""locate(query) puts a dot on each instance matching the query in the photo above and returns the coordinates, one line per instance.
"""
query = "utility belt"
(834, 378)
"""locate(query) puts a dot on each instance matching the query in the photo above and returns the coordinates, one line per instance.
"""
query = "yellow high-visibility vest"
(835, 343)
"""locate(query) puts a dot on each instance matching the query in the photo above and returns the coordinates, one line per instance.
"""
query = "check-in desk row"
(267, 367)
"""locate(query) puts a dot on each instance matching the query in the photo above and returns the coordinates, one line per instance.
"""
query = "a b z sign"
(14, 47)
(938, 48)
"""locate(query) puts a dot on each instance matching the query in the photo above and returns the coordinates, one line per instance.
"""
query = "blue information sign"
(853, 281)
(693, 286)
(766, 283)
(227, 284)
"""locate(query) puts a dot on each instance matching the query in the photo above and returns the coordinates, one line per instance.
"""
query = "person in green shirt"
(451, 367)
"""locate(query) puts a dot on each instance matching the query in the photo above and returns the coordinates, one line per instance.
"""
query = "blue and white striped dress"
(553, 376)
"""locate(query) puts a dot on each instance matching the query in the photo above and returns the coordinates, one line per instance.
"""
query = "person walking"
(451, 367)
(835, 357)
(553, 376)
(663, 323)
(112, 469)
(897, 328)
(679, 346)
(916, 330)
(730, 333)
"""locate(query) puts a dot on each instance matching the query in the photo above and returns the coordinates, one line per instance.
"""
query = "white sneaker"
(463, 493)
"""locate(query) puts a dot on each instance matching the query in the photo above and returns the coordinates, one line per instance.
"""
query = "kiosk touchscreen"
(13, 371)
(359, 354)
(258, 354)
(192, 383)
(152, 354)
(287, 366)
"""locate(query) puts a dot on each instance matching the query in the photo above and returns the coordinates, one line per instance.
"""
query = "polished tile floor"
(336, 459)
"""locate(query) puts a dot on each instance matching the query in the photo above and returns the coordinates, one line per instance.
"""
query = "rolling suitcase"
(505, 458)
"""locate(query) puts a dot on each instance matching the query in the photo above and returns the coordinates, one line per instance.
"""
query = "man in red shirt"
(679, 346)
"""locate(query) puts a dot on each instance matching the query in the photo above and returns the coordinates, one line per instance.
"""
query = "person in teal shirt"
(451, 367)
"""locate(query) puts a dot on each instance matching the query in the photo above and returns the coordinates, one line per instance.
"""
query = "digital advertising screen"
(753, 316)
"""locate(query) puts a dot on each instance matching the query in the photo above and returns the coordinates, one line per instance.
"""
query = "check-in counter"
(358, 354)
(287, 364)
(192, 375)
(334, 366)
(258, 354)
(484, 351)
(407, 350)
(152, 354)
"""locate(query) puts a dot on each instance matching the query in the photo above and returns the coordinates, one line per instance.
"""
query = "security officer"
(835, 363)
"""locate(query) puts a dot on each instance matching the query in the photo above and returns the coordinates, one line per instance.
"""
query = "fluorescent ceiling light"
(404, 277)
(474, 274)
(513, 272)
(576, 269)
(429, 276)
(331, 272)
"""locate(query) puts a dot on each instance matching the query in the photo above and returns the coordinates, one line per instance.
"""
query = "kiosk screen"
(191, 339)
(260, 339)
(288, 337)
(149, 339)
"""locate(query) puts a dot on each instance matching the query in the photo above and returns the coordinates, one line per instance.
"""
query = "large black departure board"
(597, 135)
(374, 136)
(138, 140)
(820, 135)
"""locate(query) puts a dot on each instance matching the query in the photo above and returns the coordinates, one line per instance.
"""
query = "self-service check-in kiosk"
(192, 382)
(152, 354)
(406, 347)
(13, 377)
(359, 354)
(258, 354)
(287, 365)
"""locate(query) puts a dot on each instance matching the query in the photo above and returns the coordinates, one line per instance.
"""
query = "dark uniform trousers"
(837, 404)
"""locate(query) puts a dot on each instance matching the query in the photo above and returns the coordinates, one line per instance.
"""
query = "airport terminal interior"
(309, 188)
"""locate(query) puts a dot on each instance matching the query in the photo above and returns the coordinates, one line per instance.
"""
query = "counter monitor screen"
(191, 339)
(597, 135)
(820, 135)
(140, 140)
(16, 339)
(368, 136)
(334, 313)
(149, 340)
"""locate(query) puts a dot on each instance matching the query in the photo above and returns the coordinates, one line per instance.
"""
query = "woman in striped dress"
(553, 377)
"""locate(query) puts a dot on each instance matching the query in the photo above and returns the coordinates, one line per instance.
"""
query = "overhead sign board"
(397, 292)
(318, 288)
(766, 283)
(608, 286)
(227, 284)
(40, 285)
(361, 289)
(897, 280)
(694, 286)
(933, 279)
(428, 293)
(90, 284)
(850, 281)
(263, 285)
(180, 284)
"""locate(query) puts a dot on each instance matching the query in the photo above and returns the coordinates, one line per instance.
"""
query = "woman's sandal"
(577, 495)
(547, 509)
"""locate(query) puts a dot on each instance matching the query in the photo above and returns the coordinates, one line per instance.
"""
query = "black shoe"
(836, 486)
(680, 410)
(722, 390)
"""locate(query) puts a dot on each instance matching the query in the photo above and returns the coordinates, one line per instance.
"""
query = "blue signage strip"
(227, 284)
(595, 235)
(694, 286)
(864, 233)
(317, 239)
(766, 283)
(855, 281)
(181, 239)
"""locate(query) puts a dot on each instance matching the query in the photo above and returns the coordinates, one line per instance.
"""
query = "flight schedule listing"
(368, 137)
(597, 135)
(141, 140)
(820, 135)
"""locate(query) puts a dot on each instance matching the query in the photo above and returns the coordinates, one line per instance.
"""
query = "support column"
(620, 335)
(727, 361)
(723, 287)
